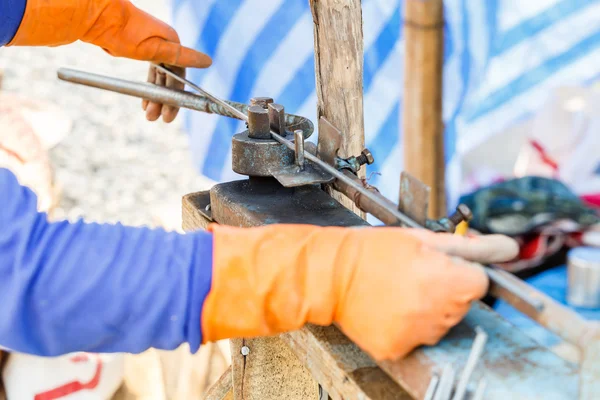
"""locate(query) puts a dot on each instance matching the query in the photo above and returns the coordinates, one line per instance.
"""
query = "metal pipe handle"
(172, 97)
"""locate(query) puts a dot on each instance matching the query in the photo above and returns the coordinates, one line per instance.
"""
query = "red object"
(74, 386)
(592, 200)
(546, 159)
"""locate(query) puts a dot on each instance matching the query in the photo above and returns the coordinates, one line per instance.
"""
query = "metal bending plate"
(414, 198)
(291, 176)
(329, 141)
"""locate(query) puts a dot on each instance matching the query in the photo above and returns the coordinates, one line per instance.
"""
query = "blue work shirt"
(67, 287)
(11, 14)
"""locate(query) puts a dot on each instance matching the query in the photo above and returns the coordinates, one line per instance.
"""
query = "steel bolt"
(258, 123)
(245, 350)
(462, 213)
(365, 158)
(261, 101)
(277, 118)
(299, 148)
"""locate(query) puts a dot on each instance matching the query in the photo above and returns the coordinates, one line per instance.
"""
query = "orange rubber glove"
(388, 289)
(118, 27)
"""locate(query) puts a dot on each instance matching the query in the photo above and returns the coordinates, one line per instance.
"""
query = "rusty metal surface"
(258, 123)
(293, 176)
(329, 142)
(514, 365)
(263, 201)
(258, 157)
(277, 118)
(365, 203)
(414, 198)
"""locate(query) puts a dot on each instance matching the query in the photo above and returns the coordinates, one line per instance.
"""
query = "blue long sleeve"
(68, 287)
(11, 14)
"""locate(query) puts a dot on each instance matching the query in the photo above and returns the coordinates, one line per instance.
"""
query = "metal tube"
(172, 97)
(365, 203)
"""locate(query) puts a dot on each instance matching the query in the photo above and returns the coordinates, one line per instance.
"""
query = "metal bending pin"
(446, 383)
(480, 390)
(474, 356)
(432, 387)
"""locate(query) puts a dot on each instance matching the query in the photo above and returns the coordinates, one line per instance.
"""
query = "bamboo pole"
(422, 124)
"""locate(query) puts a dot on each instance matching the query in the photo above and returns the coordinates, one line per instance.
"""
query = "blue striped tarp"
(501, 59)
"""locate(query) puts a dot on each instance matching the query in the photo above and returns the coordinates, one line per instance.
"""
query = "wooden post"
(339, 74)
(422, 102)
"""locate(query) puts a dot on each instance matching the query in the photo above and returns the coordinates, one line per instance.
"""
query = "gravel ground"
(114, 165)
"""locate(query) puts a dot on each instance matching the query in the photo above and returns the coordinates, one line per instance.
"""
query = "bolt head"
(368, 156)
(245, 350)
(465, 211)
(261, 101)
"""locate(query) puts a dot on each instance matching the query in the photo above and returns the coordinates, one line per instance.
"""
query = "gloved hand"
(388, 289)
(118, 27)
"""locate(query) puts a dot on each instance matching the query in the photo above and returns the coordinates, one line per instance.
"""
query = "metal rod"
(431, 388)
(504, 281)
(557, 318)
(233, 110)
(299, 142)
(150, 92)
(446, 384)
(173, 97)
(480, 390)
(474, 356)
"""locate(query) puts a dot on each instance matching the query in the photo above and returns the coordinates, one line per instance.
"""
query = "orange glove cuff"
(273, 279)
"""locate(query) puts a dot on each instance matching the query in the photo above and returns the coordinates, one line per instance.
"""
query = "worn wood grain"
(422, 124)
(222, 389)
(338, 40)
(192, 218)
(270, 371)
(340, 366)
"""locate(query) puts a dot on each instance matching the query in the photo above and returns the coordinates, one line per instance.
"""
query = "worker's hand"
(486, 249)
(155, 110)
(388, 289)
(118, 27)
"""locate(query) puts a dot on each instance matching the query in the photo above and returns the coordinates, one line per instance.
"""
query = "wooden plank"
(192, 218)
(222, 389)
(341, 367)
(269, 371)
(338, 40)
(422, 125)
